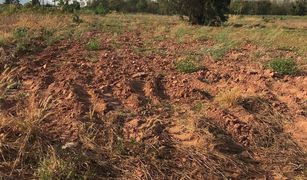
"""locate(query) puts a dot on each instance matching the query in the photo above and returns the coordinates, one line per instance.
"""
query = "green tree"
(35, 2)
(61, 3)
(8, 2)
(16, 2)
(116, 5)
(263, 7)
(100, 6)
(141, 6)
(164, 7)
(131, 5)
(300, 8)
(204, 12)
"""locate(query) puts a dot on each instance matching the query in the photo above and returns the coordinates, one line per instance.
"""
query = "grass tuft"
(54, 167)
(188, 64)
(283, 66)
(93, 45)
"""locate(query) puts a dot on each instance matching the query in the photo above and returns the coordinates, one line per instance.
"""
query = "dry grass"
(229, 98)
(23, 138)
(35, 21)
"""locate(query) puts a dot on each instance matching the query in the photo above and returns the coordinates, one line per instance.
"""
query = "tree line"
(265, 7)
(204, 12)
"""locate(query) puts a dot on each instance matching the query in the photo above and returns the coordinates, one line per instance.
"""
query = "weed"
(95, 26)
(67, 34)
(218, 51)
(198, 107)
(22, 38)
(257, 54)
(76, 18)
(283, 66)
(180, 32)
(7, 82)
(92, 57)
(202, 37)
(48, 36)
(268, 19)
(54, 167)
(46, 33)
(229, 98)
(188, 64)
(2, 41)
(20, 32)
(93, 45)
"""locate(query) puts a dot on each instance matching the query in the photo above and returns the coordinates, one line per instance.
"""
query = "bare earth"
(164, 122)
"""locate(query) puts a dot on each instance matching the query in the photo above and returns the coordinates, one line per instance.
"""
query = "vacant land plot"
(152, 97)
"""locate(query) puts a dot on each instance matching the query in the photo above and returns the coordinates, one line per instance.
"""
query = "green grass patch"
(218, 51)
(283, 66)
(188, 64)
(54, 167)
(93, 45)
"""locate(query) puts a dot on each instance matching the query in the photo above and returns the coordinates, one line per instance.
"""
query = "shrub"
(188, 64)
(283, 66)
(93, 45)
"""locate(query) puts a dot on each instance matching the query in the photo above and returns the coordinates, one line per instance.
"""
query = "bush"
(93, 45)
(283, 66)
